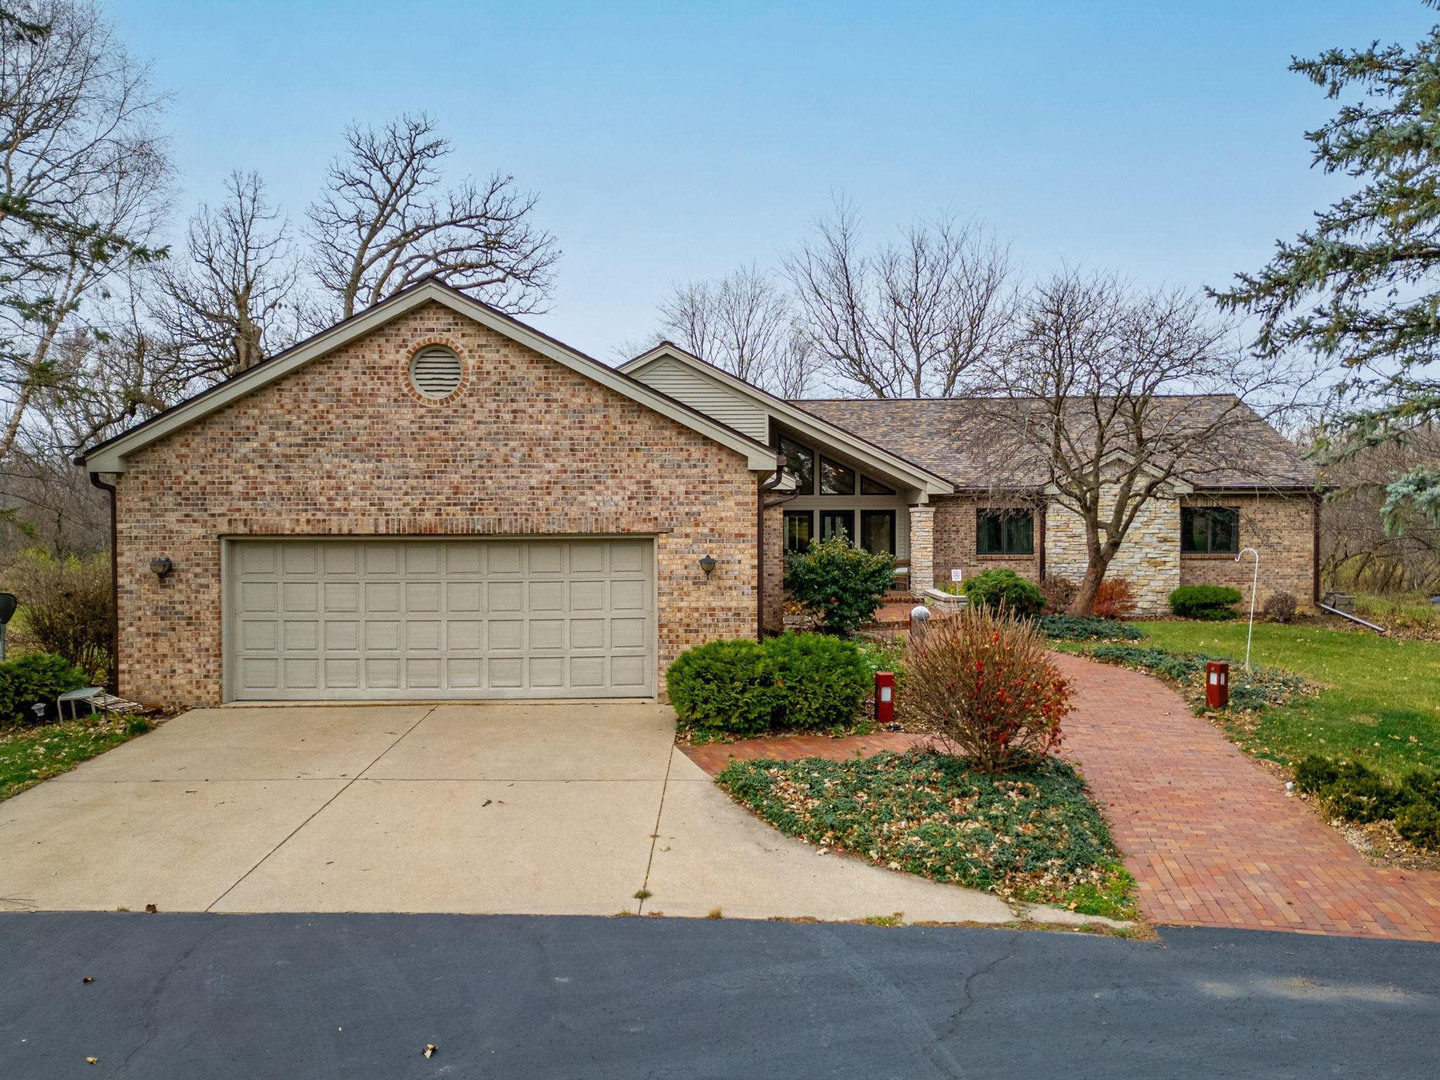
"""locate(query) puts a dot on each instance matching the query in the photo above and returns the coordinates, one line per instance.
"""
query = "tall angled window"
(799, 465)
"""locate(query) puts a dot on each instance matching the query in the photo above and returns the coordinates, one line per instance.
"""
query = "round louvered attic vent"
(435, 371)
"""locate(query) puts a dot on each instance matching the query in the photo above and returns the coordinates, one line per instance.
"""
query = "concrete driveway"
(520, 809)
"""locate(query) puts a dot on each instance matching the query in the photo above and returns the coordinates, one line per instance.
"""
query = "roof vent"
(435, 371)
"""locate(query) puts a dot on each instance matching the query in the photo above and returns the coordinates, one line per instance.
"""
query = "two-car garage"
(398, 619)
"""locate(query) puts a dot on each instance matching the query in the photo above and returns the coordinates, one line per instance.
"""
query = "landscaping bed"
(1028, 835)
(29, 755)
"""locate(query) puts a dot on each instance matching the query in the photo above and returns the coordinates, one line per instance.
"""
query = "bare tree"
(745, 324)
(1108, 395)
(384, 222)
(236, 299)
(912, 318)
(82, 183)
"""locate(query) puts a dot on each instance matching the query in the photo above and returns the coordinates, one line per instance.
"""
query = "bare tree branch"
(385, 223)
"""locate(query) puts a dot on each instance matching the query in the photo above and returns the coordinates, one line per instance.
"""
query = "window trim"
(894, 528)
(1002, 513)
(809, 516)
(1186, 533)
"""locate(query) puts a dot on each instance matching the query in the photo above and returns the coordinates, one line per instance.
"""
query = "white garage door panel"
(334, 619)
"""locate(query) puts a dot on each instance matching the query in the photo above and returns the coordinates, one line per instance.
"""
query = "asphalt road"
(356, 996)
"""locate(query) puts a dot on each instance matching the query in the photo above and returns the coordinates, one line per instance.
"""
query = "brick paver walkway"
(1210, 836)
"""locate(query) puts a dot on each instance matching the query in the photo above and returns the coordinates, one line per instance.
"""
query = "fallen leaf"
(151, 909)
(430, 1048)
(92, 1061)
(88, 979)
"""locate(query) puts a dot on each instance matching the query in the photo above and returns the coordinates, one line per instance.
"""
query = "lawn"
(1030, 835)
(1381, 701)
(29, 755)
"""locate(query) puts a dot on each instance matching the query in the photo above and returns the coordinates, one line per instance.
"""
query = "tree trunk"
(1100, 556)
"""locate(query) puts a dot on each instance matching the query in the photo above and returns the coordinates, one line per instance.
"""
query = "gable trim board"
(109, 456)
(807, 424)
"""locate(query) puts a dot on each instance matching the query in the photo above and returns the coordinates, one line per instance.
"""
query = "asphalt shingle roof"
(945, 436)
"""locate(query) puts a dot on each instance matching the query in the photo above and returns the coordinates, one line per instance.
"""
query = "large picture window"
(877, 531)
(837, 523)
(799, 464)
(836, 479)
(1004, 532)
(799, 530)
(1206, 530)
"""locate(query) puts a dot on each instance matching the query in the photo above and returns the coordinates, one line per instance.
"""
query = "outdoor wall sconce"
(161, 567)
(707, 563)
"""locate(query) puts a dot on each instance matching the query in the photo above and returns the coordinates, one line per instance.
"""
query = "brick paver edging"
(1211, 837)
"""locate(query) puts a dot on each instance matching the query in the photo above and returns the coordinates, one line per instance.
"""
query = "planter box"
(943, 603)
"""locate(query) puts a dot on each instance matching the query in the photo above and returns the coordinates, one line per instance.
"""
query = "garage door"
(363, 620)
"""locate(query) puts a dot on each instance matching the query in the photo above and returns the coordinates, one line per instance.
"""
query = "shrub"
(1356, 792)
(1280, 606)
(718, 685)
(1178, 666)
(840, 584)
(1114, 599)
(1209, 602)
(982, 680)
(1420, 824)
(1059, 593)
(1085, 628)
(743, 687)
(68, 607)
(37, 677)
(1005, 590)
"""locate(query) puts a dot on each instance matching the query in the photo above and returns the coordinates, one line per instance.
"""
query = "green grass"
(32, 754)
(1030, 835)
(1380, 702)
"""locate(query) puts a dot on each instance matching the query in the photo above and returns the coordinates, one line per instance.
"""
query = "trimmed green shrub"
(743, 687)
(719, 686)
(1086, 628)
(1004, 589)
(1420, 824)
(840, 584)
(1212, 603)
(37, 677)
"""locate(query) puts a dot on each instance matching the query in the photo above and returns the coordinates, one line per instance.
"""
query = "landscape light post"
(1254, 584)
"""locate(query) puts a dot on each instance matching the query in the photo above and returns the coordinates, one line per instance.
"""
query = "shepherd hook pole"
(1254, 585)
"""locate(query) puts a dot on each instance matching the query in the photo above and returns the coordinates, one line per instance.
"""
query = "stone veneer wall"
(345, 447)
(955, 541)
(1149, 556)
(1281, 527)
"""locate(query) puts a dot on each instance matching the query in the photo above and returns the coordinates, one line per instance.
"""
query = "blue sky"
(677, 140)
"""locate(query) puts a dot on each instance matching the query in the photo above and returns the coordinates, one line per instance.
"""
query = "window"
(435, 371)
(1004, 532)
(800, 464)
(873, 487)
(877, 531)
(837, 523)
(836, 479)
(799, 529)
(1210, 529)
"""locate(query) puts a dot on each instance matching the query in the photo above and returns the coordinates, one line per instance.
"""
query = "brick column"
(922, 548)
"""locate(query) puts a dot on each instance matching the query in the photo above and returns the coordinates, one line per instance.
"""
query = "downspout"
(761, 506)
(112, 676)
(1315, 501)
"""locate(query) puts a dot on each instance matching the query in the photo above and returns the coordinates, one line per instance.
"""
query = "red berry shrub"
(1114, 599)
(985, 684)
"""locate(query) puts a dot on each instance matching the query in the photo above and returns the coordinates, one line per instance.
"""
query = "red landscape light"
(1217, 684)
(884, 697)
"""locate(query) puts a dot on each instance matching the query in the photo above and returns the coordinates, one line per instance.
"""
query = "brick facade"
(1281, 528)
(773, 617)
(955, 541)
(344, 447)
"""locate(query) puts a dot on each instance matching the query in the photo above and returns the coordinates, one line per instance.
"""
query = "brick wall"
(344, 447)
(955, 541)
(774, 614)
(1280, 528)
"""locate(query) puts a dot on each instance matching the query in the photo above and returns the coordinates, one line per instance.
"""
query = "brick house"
(432, 500)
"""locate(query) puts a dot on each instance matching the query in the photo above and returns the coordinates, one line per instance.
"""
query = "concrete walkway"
(517, 809)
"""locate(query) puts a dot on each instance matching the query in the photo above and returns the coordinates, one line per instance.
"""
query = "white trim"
(807, 424)
(110, 457)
